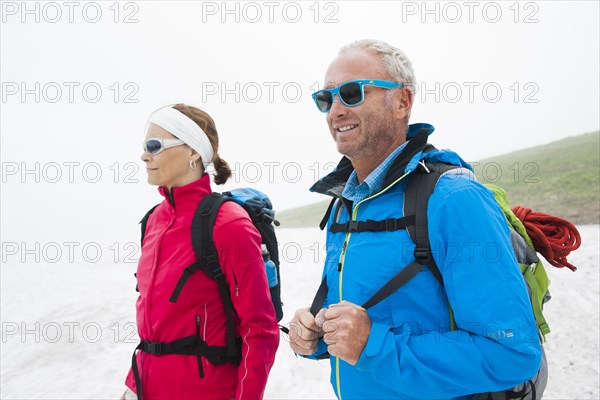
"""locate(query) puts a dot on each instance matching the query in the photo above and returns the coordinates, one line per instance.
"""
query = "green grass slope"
(561, 178)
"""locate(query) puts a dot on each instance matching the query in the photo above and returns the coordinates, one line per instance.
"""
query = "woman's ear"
(196, 159)
(194, 156)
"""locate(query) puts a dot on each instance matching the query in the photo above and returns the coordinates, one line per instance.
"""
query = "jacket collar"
(333, 184)
(187, 196)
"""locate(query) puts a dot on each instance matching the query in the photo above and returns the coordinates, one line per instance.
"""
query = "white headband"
(184, 128)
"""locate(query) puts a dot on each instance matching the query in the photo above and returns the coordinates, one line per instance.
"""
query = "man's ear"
(403, 101)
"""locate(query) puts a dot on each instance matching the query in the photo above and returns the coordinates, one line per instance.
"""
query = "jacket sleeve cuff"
(372, 350)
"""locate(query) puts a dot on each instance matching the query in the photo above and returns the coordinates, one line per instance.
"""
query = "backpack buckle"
(352, 226)
(391, 225)
(154, 348)
(422, 255)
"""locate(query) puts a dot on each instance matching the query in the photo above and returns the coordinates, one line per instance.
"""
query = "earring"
(193, 164)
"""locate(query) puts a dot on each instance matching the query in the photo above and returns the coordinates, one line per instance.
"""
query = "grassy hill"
(560, 178)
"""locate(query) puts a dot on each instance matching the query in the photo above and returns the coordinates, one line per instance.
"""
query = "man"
(406, 346)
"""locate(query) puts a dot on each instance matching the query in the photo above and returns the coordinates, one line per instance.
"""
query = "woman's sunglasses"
(351, 93)
(156, 145)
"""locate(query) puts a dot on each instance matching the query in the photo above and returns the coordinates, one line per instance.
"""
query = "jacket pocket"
(200, 367)
(237, 287)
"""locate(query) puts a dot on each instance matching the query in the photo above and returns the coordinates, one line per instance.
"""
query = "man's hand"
(347, 327)
(304, 332)
(128, 395)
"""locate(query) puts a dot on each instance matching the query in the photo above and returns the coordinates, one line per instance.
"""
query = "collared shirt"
(373, 183)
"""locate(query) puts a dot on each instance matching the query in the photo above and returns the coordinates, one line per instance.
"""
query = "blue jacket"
(411, 352)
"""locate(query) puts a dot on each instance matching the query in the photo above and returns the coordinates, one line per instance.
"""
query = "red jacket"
(166, 251)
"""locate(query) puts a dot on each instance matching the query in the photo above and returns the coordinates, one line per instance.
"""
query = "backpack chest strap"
(389, 225)
(419, 189)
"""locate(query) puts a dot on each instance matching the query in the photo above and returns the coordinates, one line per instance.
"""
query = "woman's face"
(170, 167)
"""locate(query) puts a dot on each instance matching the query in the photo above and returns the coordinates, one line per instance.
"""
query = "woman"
(181, 141)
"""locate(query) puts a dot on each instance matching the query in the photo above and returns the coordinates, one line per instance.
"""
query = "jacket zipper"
(171, 197)
(237, 288)
(341, 268)
(200, 367)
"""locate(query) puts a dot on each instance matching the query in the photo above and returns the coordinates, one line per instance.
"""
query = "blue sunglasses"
(351, 93)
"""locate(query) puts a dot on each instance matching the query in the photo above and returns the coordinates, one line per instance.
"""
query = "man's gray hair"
(394, 60)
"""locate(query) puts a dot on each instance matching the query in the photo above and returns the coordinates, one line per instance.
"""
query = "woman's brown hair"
(206, 123)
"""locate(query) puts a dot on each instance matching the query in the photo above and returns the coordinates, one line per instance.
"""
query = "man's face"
(366, 132)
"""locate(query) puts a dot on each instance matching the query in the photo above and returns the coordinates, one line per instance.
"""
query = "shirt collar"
(373, 183)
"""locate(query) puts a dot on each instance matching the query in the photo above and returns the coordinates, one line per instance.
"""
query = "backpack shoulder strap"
(336, 202)
(202, 242)
(416, 200)
(144, 222)
(325, 218)
(203, 223)
(420, 186)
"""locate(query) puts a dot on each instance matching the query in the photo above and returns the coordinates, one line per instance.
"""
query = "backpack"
(260, 209)
(421, 184)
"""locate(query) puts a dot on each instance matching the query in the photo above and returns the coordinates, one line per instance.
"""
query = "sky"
(79, 80)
